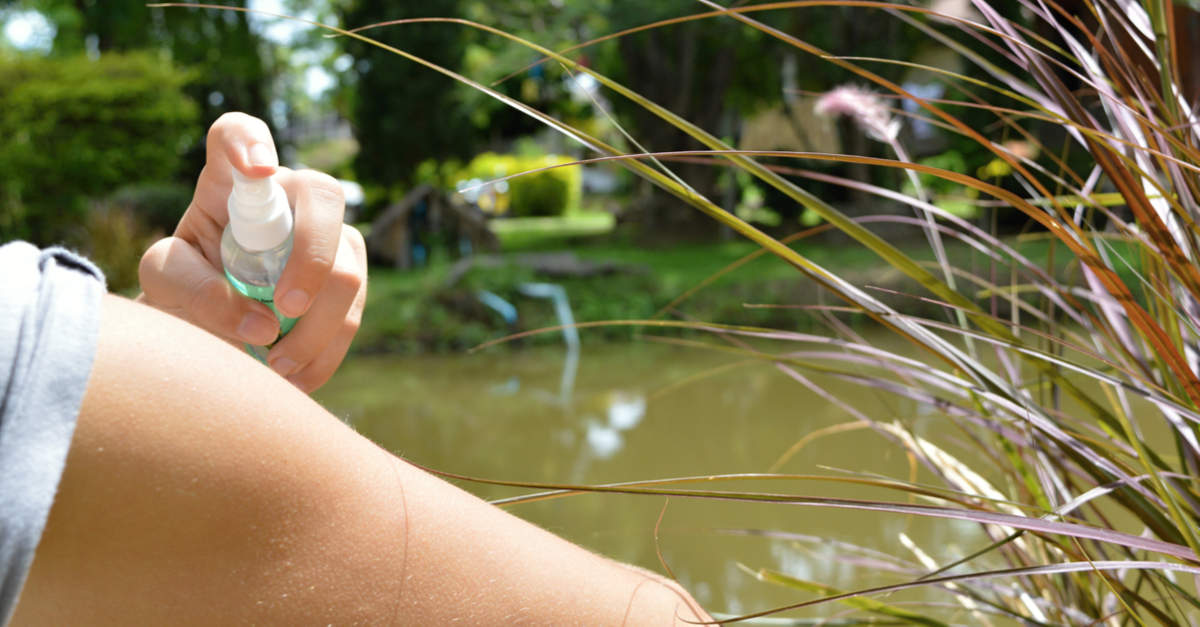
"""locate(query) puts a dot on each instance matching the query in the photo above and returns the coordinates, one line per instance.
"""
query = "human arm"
(206, 490)
(324, 280)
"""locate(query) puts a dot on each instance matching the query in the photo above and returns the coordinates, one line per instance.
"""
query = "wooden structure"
(406, 233)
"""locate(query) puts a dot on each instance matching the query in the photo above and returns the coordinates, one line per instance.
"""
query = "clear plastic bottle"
(256, 244)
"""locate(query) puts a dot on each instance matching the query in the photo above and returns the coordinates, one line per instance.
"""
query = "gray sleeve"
(49, 324)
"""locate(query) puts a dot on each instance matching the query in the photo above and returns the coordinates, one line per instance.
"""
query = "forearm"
(469, 561)
(202, 488)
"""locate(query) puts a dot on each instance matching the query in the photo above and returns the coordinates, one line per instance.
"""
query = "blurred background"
(103, 109)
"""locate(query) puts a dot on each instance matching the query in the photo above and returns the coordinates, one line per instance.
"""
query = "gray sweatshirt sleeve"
(49, 324)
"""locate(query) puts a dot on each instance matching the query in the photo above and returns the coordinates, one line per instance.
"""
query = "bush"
(540, 195)
(116, 237)
(547, 193)
(119, 228)
(76, 128)
(159, 205)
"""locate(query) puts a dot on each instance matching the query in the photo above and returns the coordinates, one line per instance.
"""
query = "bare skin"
(201, 488)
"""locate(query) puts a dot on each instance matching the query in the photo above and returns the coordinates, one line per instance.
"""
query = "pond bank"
(438, 308)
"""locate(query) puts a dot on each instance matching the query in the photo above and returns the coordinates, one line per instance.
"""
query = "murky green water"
(644, 411)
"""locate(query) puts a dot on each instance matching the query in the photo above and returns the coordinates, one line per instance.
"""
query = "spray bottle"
(256, 244)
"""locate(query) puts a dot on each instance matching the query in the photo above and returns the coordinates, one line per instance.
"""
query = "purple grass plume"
(864, 106)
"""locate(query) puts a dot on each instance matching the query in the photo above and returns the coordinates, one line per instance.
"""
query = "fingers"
(319, 207)
(323, 282)
(322, 368)
(176, 278)
(235, 140)
(310, 353)
(240, 141)
(244, 142)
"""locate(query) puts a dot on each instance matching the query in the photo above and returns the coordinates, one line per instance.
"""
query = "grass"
(542, 232)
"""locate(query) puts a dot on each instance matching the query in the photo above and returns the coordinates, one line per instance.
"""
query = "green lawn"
(543, 232)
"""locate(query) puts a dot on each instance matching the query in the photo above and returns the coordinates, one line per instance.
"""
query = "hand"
(324, 280)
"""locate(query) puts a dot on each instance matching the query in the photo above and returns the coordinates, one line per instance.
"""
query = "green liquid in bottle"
(264, 294)
(261, 271)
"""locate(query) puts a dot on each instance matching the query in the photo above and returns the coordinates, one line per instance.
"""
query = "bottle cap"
(259, 214)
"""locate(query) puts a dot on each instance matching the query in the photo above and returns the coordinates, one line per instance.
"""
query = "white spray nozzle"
(251, 192)
(258, 212)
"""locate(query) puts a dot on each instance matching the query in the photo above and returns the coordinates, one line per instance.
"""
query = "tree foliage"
(403, 113)
(73, 128)
(711, 72)
(230, 68)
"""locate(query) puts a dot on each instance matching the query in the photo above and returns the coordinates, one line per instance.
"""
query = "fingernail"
(261, 154)
(258, 329)
(294, 303)
(283, 366)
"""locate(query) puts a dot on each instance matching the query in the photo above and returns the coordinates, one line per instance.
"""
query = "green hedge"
(75, 128)
(548, 193)
(158, 205)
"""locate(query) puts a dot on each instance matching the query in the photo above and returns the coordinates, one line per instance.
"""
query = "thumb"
(177, 279)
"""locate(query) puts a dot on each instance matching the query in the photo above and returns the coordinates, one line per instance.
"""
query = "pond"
(651, 410)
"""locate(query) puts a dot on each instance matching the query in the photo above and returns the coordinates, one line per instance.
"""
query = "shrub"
(75, 128)
(159, 205)
(115, 239)
(548, 193)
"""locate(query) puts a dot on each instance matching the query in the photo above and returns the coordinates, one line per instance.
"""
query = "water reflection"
(645, 412)
(557, 295)
(508, 388)
(603, 440)
(625, 411)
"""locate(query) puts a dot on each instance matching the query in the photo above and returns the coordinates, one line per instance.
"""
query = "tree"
(73, 128)
(230, 71)
(403, 113)
(710, 72)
